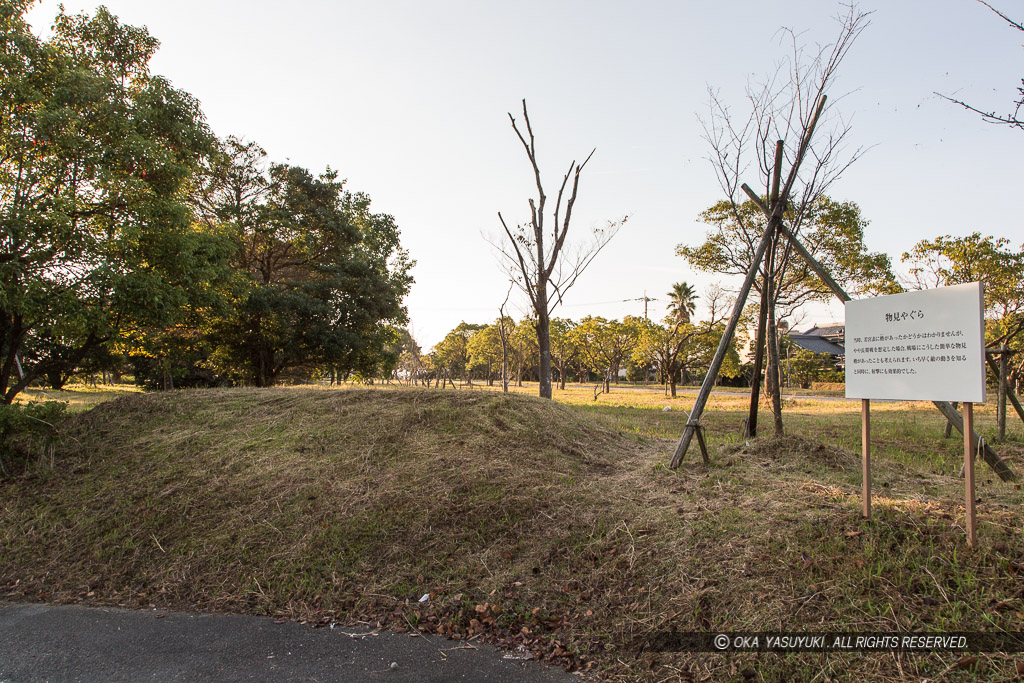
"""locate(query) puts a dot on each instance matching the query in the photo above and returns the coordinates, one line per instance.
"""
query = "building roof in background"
(817, 344)
(833, 330)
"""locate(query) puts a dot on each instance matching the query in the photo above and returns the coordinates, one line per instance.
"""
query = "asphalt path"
(72, 643)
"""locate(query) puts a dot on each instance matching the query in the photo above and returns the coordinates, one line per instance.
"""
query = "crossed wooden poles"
(774, 212)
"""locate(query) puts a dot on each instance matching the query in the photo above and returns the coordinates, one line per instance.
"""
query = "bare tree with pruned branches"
(539, 258)
(782, 108)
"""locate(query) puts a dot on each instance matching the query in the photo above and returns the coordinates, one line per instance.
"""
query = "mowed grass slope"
(530, 522)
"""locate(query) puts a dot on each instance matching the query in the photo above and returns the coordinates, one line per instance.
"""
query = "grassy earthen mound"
(525, 521)
(317, 505)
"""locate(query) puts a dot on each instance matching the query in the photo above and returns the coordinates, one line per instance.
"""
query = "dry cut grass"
(552, 527)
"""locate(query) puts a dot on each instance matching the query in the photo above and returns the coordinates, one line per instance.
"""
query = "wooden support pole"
(723, 346)
(818, 269)
(1001, 396)
(755, 383)
(703, 445)
(969, 447)
(997, 464)
(865, 440)
(948, 429)
(762, 317)
(774, 220)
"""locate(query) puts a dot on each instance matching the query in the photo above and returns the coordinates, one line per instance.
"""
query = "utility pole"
(645, 299)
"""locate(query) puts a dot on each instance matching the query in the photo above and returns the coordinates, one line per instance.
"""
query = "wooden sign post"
(969, 526)
(919, 346)
(865, 446)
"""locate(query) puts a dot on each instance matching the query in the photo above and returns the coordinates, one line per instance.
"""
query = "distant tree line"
(591, 350)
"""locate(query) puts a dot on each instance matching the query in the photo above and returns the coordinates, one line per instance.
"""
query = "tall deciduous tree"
(784, 109)
(538, 257)
(320, 277)
(96, 154)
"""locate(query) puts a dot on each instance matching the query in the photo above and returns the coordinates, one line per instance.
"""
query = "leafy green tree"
(524, 353)
(948, 260)
(410, 357)
(96, 156)
(485, 351)
(320, 278)
(452, 354)
(833, 233)
(701, 351)
(806, 366)
(669, 346)
(605, 344)
(563, 348)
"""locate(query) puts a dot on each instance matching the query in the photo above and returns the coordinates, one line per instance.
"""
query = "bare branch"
(1011, 120)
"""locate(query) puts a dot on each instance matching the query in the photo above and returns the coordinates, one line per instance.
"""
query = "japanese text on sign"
(926, 345)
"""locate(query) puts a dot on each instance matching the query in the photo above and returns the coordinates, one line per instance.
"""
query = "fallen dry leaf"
(966, 662)
(807, 561)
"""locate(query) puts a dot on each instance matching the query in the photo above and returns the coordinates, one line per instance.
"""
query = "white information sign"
(923, 346)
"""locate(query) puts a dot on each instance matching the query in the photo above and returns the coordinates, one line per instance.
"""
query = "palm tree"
(682, 302)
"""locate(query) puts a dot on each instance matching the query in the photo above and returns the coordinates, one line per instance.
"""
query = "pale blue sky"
(408, 101)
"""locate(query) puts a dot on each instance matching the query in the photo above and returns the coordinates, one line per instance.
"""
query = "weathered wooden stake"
(969, 447)
(723, 345)
(1001, 402)
(865, 440)
(755, 382)
(762, 317)
(948, 430)
(703, 445)
(997, 464)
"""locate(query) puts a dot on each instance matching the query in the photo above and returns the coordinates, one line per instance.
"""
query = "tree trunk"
(56, 379)
(504, 365)
(544, 341)
(759, 346)
(773, 370)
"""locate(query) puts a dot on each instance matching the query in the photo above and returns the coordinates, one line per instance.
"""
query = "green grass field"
(79, 397)
(556, 526)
